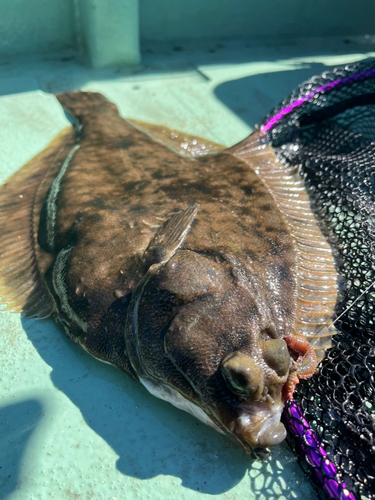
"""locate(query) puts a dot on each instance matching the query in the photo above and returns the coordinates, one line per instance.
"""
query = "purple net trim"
(307, 443)
(320, 90)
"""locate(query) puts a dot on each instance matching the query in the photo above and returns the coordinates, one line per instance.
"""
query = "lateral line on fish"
(52, 197)
(60, 287)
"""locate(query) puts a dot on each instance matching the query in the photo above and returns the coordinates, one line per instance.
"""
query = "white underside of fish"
(268, 418)
(172, 396)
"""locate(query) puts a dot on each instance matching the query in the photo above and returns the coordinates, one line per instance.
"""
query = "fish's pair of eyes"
(245, 375)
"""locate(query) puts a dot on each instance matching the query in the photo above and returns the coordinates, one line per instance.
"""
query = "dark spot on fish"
(256, 195)
(283, 232)
(248, 189)
(201, 188)
(203, 211)
(245, 210)
(137, 156)
(289, 248)
(137, 208)
(158, 175)
(155, 255)
(266, 208)
(90, 218)
(174, 189)
(169, 173)
(252, 255)
(124, 142)
(135, 186)
(239, 170)
(167, 162)
(214, 255)
(243, 226)
(224, 193)
(100, 204)
(283, 273)
(276, 249)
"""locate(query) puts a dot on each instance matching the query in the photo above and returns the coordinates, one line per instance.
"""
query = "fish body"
(183, 272)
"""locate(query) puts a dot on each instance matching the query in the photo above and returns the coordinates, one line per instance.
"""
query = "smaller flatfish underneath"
(205, 277)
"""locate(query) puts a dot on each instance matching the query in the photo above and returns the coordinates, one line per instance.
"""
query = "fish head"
(201, 330)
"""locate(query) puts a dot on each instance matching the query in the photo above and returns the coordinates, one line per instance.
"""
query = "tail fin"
(81, 104)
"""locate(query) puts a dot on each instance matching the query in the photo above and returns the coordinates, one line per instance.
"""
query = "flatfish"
(205, 277)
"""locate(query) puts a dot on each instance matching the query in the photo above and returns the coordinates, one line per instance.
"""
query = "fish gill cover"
(326, 129)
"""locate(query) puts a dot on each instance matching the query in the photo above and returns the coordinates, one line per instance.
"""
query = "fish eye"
(242, 375)
(276, 355)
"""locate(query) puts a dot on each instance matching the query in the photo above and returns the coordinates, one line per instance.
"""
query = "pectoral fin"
(170, 236)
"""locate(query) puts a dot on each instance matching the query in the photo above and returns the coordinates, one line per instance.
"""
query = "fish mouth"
(259, 425)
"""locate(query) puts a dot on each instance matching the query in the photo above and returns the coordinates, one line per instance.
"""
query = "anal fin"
(22, 261)
(316, 273)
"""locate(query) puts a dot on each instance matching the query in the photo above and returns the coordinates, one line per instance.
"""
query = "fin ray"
(317, 276)
(22, 287)
(171, 235)
(179, 142)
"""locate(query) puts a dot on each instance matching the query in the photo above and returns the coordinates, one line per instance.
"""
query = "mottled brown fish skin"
(206, 319)
(119, 187)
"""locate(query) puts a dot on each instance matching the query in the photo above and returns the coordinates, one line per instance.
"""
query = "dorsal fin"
(317, 276)
(22, 261)
(170, 236)
(181, 143)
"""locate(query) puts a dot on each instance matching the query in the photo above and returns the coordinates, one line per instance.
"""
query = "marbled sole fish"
(204, 277)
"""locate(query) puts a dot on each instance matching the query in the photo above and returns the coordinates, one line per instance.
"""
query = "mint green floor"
(72, 427)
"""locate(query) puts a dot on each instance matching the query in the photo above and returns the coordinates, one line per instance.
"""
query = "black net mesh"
(326, 127)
